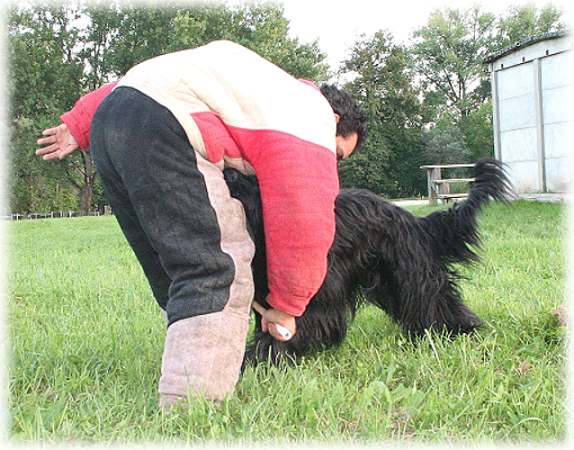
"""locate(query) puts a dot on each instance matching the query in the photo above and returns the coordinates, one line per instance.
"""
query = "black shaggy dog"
(401, 263)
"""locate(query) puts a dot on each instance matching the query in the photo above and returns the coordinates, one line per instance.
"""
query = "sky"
(338, 24)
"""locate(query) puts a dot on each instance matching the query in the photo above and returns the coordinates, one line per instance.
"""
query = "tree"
(449, 52)
(43, 81)
(445, 143)
(384, 84)
(478, 133)
(525, 21)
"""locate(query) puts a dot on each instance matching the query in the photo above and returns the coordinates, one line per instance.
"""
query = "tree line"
(427, 100)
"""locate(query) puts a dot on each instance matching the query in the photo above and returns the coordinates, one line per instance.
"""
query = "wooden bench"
(439, 188)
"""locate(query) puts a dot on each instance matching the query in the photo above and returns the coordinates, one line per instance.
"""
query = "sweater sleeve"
(79, 118)
(299, 183)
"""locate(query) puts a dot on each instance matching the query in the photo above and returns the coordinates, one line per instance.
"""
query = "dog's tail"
(454, 232)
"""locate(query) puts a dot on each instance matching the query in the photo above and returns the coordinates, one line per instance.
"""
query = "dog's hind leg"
(421, 297)
(434, 304)
(455, 316)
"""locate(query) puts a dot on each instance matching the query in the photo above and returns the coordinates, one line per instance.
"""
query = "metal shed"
(532, 112)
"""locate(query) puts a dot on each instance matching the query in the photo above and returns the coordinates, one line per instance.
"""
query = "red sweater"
(241, 111)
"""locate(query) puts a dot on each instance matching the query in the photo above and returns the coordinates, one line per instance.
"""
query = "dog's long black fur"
(399, 262)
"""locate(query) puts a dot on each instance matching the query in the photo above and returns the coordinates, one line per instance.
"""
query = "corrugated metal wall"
(517, 118)
(558, 117)
(532, 93)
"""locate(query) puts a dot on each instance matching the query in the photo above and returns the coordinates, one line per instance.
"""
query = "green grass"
(86, 340)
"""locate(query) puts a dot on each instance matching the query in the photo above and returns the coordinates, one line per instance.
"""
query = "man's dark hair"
(353, 118)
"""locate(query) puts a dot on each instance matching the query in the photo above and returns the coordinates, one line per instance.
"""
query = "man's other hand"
(58, 143)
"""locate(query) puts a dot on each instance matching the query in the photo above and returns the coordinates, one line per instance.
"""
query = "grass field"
(86, 341)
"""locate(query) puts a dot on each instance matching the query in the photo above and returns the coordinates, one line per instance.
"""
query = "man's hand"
(58, 143)
(272, 318)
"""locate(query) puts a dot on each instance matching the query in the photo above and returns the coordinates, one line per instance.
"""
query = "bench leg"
(433, 188)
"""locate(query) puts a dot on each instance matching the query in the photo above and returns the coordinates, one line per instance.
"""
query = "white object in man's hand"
(283, 331)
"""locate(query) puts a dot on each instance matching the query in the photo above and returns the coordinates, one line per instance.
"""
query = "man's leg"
(129, 223)
(223, 333)
(200, 236)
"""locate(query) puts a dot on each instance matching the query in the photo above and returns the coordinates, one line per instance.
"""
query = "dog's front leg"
(263, 347)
